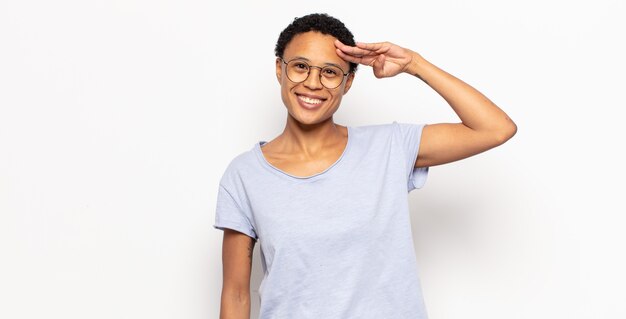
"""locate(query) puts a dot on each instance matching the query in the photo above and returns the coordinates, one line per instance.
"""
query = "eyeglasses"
(330, 76)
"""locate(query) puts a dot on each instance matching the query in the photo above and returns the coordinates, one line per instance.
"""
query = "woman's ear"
(279, 69)
(348, 82)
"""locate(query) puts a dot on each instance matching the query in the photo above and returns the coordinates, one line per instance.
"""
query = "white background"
(117, 119)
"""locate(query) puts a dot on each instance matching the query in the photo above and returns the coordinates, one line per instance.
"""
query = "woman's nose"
(313, 80)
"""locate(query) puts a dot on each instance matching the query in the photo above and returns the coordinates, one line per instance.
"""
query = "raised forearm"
(474, 109)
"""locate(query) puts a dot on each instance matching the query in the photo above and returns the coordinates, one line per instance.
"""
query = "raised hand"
(385, 58)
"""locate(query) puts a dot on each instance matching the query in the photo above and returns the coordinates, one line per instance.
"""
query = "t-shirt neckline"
(327, 171)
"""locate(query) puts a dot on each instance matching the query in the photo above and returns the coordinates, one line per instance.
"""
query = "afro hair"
(320, 22)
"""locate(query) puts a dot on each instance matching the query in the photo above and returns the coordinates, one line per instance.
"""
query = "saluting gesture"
(385, 58)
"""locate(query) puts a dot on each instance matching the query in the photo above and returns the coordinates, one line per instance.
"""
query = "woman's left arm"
(483, 124)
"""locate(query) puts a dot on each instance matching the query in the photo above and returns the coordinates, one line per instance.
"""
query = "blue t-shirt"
(337, 244)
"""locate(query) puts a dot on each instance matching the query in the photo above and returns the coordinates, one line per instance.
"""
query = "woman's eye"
(301, 66)
(330, 72)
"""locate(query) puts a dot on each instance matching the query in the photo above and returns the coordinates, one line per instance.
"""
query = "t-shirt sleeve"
(410, 135)
(229, 214)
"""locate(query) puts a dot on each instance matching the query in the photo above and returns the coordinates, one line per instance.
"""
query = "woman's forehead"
(315, 47)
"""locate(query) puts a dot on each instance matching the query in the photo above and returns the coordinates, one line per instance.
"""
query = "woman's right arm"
(237, 251)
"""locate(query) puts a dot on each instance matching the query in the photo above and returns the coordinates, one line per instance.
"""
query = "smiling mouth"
(309, 100)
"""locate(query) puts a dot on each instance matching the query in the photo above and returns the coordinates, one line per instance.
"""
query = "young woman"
(328, 202)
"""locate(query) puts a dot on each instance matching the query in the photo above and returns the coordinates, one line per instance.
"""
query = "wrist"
(416, 66)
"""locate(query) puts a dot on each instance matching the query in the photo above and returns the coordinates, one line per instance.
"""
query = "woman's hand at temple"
(385, 58)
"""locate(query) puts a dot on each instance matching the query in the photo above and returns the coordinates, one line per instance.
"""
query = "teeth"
(310, 100)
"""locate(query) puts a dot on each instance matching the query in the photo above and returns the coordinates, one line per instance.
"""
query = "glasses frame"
(343, 78)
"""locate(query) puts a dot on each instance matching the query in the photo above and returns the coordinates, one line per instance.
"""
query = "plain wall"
(117, 119)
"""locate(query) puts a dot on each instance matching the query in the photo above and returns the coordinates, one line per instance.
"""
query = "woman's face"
(309, 102)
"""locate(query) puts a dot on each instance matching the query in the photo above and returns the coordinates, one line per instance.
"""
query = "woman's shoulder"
(372, 131)
(239, 164)
(389, 127)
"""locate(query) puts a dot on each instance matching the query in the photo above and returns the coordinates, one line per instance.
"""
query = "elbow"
(238, 295)
(238, 299)
(506, 132)
(502, 132)
(235, 304)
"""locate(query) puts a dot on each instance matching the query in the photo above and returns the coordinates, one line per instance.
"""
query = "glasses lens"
(330, 76)
(297, 71)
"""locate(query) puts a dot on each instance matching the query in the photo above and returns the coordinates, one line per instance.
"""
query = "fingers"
(346, 57)
(353, 51)
(354, 59)
(378, 65)
(365, 60)
(355, 54)
(377, 61)
(372, 47)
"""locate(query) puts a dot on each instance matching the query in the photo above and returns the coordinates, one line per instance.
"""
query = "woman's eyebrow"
(299, 58)
(305, 59)
(333, 64)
